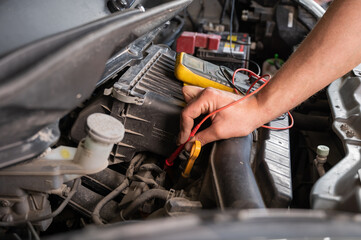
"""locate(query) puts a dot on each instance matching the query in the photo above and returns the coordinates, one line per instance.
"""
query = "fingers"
(186, 123)
(201, 102)
(206, 136)
(191, 92)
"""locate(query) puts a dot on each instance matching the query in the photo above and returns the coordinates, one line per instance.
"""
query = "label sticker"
(234, 38)
(226, 45)
(290, 20)
(227, 48)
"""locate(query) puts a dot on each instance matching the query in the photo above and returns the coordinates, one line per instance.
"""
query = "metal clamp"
(123, 97)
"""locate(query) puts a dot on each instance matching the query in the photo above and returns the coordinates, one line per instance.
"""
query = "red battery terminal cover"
(213, 41)
(188, 41)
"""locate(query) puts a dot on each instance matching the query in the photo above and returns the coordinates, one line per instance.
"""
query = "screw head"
(343, 127)
(350, 133)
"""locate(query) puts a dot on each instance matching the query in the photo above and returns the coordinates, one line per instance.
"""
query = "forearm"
(332, 49)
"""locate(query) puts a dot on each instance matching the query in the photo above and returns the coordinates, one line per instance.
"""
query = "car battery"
(233, 56)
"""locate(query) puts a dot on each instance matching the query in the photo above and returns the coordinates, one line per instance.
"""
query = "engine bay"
(97, 155)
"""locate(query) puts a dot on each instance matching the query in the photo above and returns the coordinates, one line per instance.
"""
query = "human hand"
(235, 121)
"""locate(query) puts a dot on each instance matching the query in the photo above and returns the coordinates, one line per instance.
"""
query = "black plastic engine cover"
(148, 100)
(273, 171)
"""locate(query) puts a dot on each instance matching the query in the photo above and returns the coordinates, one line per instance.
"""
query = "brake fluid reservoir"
(103, 132)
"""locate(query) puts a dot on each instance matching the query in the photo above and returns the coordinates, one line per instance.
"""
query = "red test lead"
(170, 161)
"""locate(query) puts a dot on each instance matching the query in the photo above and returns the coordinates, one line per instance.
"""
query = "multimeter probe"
(170, 161)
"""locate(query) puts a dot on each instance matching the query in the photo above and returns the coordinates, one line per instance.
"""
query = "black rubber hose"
(224, 9)
(150, 194)
(234, 181)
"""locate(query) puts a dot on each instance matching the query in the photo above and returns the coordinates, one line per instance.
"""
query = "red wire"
(170, 161)
(259, 78)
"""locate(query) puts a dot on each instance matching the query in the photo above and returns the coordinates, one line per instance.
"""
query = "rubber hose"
(96, 213)
(150, 194)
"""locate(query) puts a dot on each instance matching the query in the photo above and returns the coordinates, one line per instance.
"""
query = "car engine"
(90, 113)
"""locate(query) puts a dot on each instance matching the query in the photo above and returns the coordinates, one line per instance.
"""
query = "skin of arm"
(331, 50)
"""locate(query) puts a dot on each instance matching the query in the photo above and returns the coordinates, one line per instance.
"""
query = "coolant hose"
(96, 213)
(234, 181)
(150, 194)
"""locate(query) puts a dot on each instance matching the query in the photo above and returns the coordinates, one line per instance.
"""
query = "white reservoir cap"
(322, 150)
(104, 128)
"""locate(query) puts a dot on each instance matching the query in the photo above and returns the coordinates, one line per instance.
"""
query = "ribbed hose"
(150, 194)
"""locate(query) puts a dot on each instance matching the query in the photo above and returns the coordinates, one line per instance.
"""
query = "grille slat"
(159, 78)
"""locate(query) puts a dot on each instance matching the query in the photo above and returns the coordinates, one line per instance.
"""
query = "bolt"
(350, 133)
(117, 5)
(123, 3)
(133, 51)
(140, 7)
(69, 223)
(4, 203)
(343, 127)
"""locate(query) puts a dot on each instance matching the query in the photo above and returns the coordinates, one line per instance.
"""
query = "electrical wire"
(231, 28)
(257, 80)
(225, 5)
(230, 80)
(16, 236)
(170, 161)
(32, 230)
(239, 42)
(253, 62)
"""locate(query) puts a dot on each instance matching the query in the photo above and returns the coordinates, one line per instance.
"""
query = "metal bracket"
(171, 194)
(123, 97)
